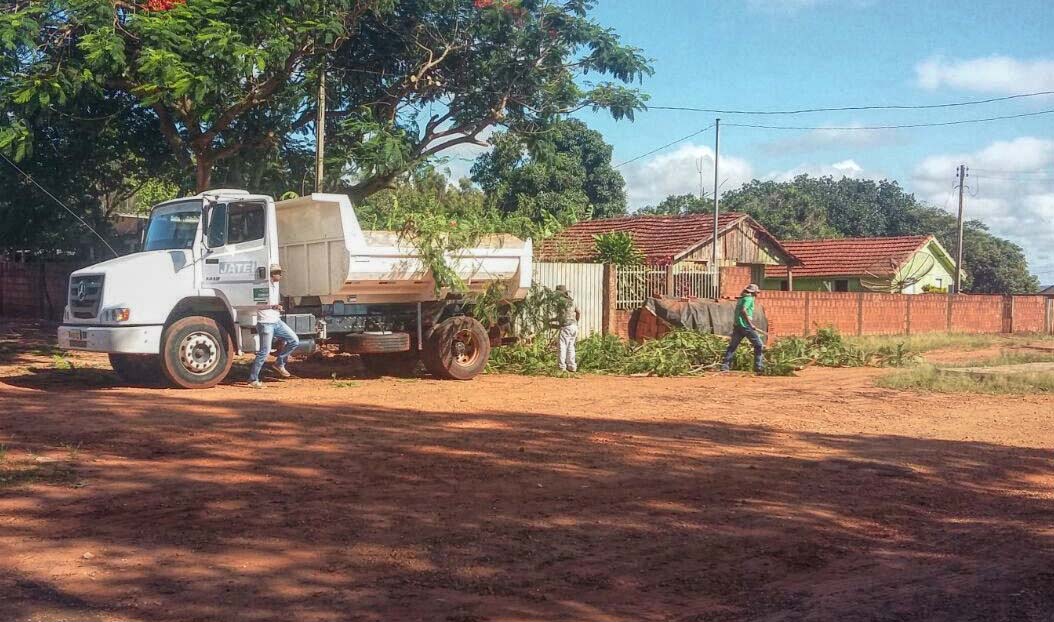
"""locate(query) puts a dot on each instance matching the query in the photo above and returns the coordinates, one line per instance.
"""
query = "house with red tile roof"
(675, 240)
(906, 264)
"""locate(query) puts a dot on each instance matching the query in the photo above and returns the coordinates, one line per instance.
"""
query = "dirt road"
(517, 499)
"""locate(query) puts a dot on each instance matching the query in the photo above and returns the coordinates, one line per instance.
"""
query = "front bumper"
(115, 339)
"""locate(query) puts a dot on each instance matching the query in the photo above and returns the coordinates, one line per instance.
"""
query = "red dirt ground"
(718, 498)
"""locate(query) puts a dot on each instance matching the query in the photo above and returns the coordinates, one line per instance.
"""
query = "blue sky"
(778, 54)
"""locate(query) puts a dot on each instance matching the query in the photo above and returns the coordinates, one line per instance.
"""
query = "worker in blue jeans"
(269, 325)
(743, 326)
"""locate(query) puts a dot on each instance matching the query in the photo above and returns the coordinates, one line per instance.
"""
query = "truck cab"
(185, 304)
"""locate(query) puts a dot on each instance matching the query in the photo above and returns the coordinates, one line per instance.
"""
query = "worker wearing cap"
(269, 325)
(567, 321)
(743, 326)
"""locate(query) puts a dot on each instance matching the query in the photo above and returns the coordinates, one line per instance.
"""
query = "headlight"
(119, 314)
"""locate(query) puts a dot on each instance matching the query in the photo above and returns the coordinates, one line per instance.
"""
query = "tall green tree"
(679, 205)
(809, 207)
(231, 79)
(564, 171)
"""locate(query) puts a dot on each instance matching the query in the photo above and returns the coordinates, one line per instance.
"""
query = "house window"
(784, 285)
(841, 285)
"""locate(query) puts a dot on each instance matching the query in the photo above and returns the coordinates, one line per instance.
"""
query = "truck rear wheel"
(137, 369)
(398, 364)
(196, 353)
(458, 349)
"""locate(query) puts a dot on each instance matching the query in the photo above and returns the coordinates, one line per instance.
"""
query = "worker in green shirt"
(743, 326)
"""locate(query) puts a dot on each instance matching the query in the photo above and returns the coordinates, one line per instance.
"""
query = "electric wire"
(895, 127)
(30, 179)
(857, 108)
(667, 145)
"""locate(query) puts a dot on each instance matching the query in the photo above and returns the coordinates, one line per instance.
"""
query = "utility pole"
(959, 244)
(713, 245)
(320, 130)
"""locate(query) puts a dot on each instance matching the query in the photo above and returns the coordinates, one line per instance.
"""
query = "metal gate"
(585, 283)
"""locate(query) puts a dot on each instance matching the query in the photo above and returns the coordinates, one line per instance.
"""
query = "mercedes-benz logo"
(82, 291)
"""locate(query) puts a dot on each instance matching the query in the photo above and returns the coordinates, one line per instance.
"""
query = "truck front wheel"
(196, 353)
(458, 349)
(137, 369)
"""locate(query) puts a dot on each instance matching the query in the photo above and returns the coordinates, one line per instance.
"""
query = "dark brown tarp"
(703, 316)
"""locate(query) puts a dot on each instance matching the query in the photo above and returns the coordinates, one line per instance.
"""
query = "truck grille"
(85, 296)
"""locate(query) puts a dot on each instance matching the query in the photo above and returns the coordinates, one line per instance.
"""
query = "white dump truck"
(183, 307)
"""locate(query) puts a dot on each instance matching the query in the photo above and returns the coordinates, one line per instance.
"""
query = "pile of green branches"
(688, 353)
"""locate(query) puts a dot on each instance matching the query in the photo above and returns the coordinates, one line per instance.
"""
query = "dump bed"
(325, 253)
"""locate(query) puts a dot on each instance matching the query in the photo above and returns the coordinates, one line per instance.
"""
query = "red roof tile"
(849, 256)
(660, 238)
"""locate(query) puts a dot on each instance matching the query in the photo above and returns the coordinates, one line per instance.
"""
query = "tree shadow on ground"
(203, 506)
(250, 509)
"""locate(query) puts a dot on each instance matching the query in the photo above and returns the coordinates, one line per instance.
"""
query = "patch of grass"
(32, 470)
(3, 453)
(929, 378)
(72, 451)
(1006, 357)
(343, 384)
(59, 361)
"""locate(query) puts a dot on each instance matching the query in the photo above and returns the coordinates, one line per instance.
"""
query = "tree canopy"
(229, 80)
(811, 207)
(679, 205)
(563, 172)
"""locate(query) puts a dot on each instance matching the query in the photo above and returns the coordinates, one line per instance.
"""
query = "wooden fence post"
(948, 314)
(669, 280)
(1008, 314)
(3, 286)
(42, 295)
(608, 299)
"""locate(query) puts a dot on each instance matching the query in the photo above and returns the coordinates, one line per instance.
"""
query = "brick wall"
(34, 289)
(798, 313)
(927, 313)
(734, 279)
(1030, 314)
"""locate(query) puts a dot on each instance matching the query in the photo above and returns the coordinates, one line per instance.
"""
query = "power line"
(851, 108)
(895, 127)
(670, 144)
(63, 205)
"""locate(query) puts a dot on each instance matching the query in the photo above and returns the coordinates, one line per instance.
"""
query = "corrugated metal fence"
(585, 282)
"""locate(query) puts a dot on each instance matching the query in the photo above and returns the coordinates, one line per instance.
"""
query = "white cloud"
(1010, 188)
(831, 138)
(650, 181)
(990, 74)
(838, 170)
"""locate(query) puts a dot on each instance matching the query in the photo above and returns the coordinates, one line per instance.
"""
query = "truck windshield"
(173, 228)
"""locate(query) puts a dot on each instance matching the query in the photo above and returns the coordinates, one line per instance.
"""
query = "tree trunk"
(203, 174)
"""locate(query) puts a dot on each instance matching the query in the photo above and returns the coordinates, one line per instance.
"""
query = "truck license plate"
(78, 335)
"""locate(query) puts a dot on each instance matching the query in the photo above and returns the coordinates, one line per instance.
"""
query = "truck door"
(236, 263)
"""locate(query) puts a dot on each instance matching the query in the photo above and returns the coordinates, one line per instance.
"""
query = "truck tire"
(137, 369)
(458, 349)
(196, 353)
(398, 364)
(376, 343)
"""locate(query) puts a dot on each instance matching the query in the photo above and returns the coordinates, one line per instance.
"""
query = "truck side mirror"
(216, 225)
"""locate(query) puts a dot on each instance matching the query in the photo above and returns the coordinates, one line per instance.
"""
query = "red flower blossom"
(161, 5)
